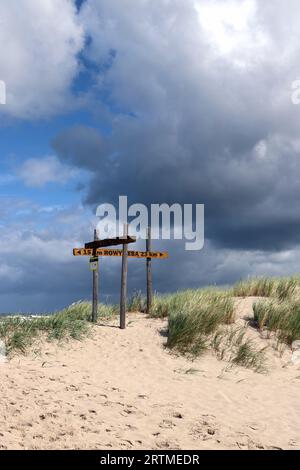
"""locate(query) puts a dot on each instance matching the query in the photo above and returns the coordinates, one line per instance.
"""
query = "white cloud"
(39, 41)
(167, 52)
(231, 27)
(37, 172)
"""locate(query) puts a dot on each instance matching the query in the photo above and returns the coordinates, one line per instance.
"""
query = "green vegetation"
(279, 317)
(19, 333)
(202, 319)
(189, 300)
(280, 288)
(198, 320)
(194, 316)
(234, 346)
(137, 303)
(279, 313)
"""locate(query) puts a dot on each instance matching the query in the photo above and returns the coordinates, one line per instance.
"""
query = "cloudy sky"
(184, 101)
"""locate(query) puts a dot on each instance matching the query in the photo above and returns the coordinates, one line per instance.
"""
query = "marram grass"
(198, 320)
(279, 288)
(279, 313)
(203, 319)
(279, 317)
(19, 332)
(234, 346)
(194, 316)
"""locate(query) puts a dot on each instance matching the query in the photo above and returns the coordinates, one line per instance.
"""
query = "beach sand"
(124, 390)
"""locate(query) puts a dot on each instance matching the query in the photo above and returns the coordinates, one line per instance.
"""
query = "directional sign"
(133, 254)
(82, 252)
(119, 253)
(110, 242)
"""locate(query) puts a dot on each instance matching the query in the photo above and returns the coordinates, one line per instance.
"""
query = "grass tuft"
(279, 288)
(279, 317)
(194, 316)
(19, 333)
(234, 346)
(202, 319)
(137, 303)
(257, 287)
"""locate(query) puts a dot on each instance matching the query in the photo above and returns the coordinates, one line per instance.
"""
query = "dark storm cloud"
(251, 199)
(199, 127)
(80, 146)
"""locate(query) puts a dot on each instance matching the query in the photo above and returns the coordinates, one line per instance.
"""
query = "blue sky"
(166, 101)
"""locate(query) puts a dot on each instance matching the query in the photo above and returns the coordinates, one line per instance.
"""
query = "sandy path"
(123, 390)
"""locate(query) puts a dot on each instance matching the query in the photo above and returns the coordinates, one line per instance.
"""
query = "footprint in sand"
(127, 412)
(167, 424)
(204, 429)
(177, 415)
(168, 444)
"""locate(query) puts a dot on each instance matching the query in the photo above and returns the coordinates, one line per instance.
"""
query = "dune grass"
(257, 287)
(280, 288)
(164, 305)
(19, 333)
(198, 320)
(281, 318)
(201, 320)
(279, 313)
(194, 316)
(137, 303)
(234, 346)
(204, 319)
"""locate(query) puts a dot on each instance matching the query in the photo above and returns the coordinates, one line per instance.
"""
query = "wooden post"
(149, 272)
(95, 289)
(123, 299)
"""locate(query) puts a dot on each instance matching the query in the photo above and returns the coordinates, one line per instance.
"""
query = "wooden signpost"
(119, 253)
(95, 284)
(110, 242)
(149, 272)
(123, 297)
(97, 249)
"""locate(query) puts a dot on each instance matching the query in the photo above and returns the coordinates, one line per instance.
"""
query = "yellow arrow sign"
(119, 253)
(82, 252)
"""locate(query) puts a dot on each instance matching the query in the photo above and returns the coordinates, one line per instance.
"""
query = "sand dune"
(123, 390)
